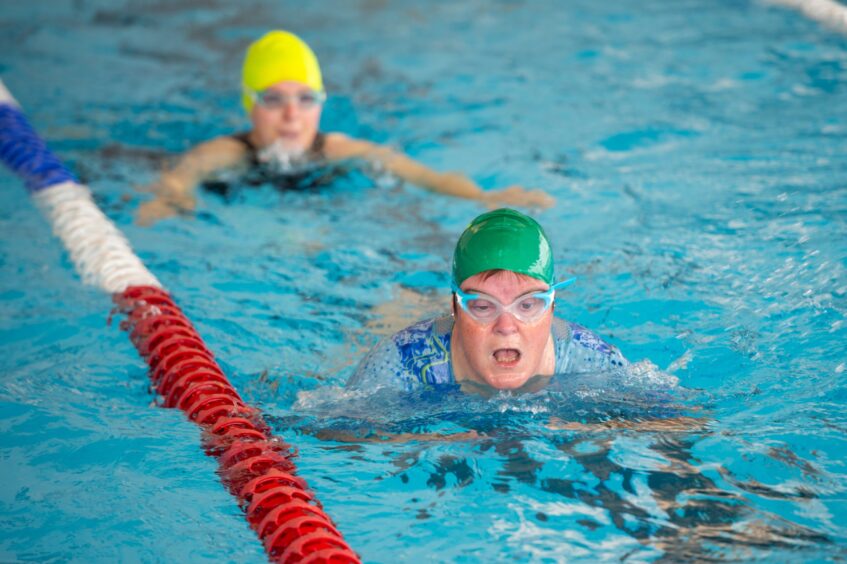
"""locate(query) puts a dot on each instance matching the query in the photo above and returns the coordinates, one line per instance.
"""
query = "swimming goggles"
(273, 100)
(527, 308)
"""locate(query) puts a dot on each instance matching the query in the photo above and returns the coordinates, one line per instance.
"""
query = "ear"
(453, 304)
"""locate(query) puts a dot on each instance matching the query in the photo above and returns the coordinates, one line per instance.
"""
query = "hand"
(150, 212)
(165, 204)
(518, 196)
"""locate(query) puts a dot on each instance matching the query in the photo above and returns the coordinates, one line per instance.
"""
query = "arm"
(376, 436)
(681, 423)
(174, 189)
(341, 147)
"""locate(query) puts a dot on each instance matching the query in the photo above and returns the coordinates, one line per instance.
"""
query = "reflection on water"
(674, 506)
(406, 306)
(591, 459)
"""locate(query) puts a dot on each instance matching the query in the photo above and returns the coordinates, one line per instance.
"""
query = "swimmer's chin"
(507, 381)
(487, 389)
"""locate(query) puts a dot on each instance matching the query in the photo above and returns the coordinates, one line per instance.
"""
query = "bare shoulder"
(220, 152)
(338, 146)
(223, 144)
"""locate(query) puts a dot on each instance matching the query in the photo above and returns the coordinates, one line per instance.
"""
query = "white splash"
(828, 12)
(280, 159)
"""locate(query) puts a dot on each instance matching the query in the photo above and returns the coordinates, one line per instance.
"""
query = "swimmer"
(501, 333)
(283, 95)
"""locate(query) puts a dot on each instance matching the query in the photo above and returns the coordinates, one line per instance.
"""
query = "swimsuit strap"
(317, 148)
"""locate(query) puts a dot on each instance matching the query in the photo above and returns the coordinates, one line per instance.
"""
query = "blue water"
(696, 151)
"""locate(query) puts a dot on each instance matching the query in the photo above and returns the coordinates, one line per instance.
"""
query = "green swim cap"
(278, 56)
(503, 239)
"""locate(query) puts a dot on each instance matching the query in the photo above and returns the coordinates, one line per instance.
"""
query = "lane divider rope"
(256, 467)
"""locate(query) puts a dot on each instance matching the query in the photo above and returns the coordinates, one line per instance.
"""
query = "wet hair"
(485, 275)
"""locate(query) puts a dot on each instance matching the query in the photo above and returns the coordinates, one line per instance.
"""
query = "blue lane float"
(23, 151)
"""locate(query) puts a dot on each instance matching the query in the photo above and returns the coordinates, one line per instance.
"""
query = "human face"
(293, 123)
(506, 352)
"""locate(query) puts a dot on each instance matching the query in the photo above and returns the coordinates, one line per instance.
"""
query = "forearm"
(453, 184)
(680, 423)
(378, 436)
(195, 166)
(176, 185)
(339, 147)
(448, 183)
(460, 186)
(174, 189)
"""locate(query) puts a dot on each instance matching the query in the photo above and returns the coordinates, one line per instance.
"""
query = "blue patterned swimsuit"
(419, 356)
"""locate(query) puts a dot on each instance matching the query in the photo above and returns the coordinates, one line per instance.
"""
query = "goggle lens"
(528, 308)
(273, 100)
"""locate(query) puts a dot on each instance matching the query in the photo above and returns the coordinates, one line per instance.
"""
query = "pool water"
(696, 152)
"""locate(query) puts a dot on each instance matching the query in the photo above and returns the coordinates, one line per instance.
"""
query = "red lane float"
(255, 466)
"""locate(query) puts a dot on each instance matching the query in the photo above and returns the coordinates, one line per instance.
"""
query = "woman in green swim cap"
(501, 333)
(283, 94)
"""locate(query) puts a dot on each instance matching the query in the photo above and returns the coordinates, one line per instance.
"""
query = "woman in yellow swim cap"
(283, 94)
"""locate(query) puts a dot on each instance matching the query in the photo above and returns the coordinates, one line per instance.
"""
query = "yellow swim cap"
(275, 57)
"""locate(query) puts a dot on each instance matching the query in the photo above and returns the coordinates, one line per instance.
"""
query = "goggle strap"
(563, 283)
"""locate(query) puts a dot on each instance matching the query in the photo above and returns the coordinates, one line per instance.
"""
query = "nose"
(290, 109)
(506, 324)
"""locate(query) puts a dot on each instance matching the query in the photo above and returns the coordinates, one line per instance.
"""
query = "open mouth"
(507, 357)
